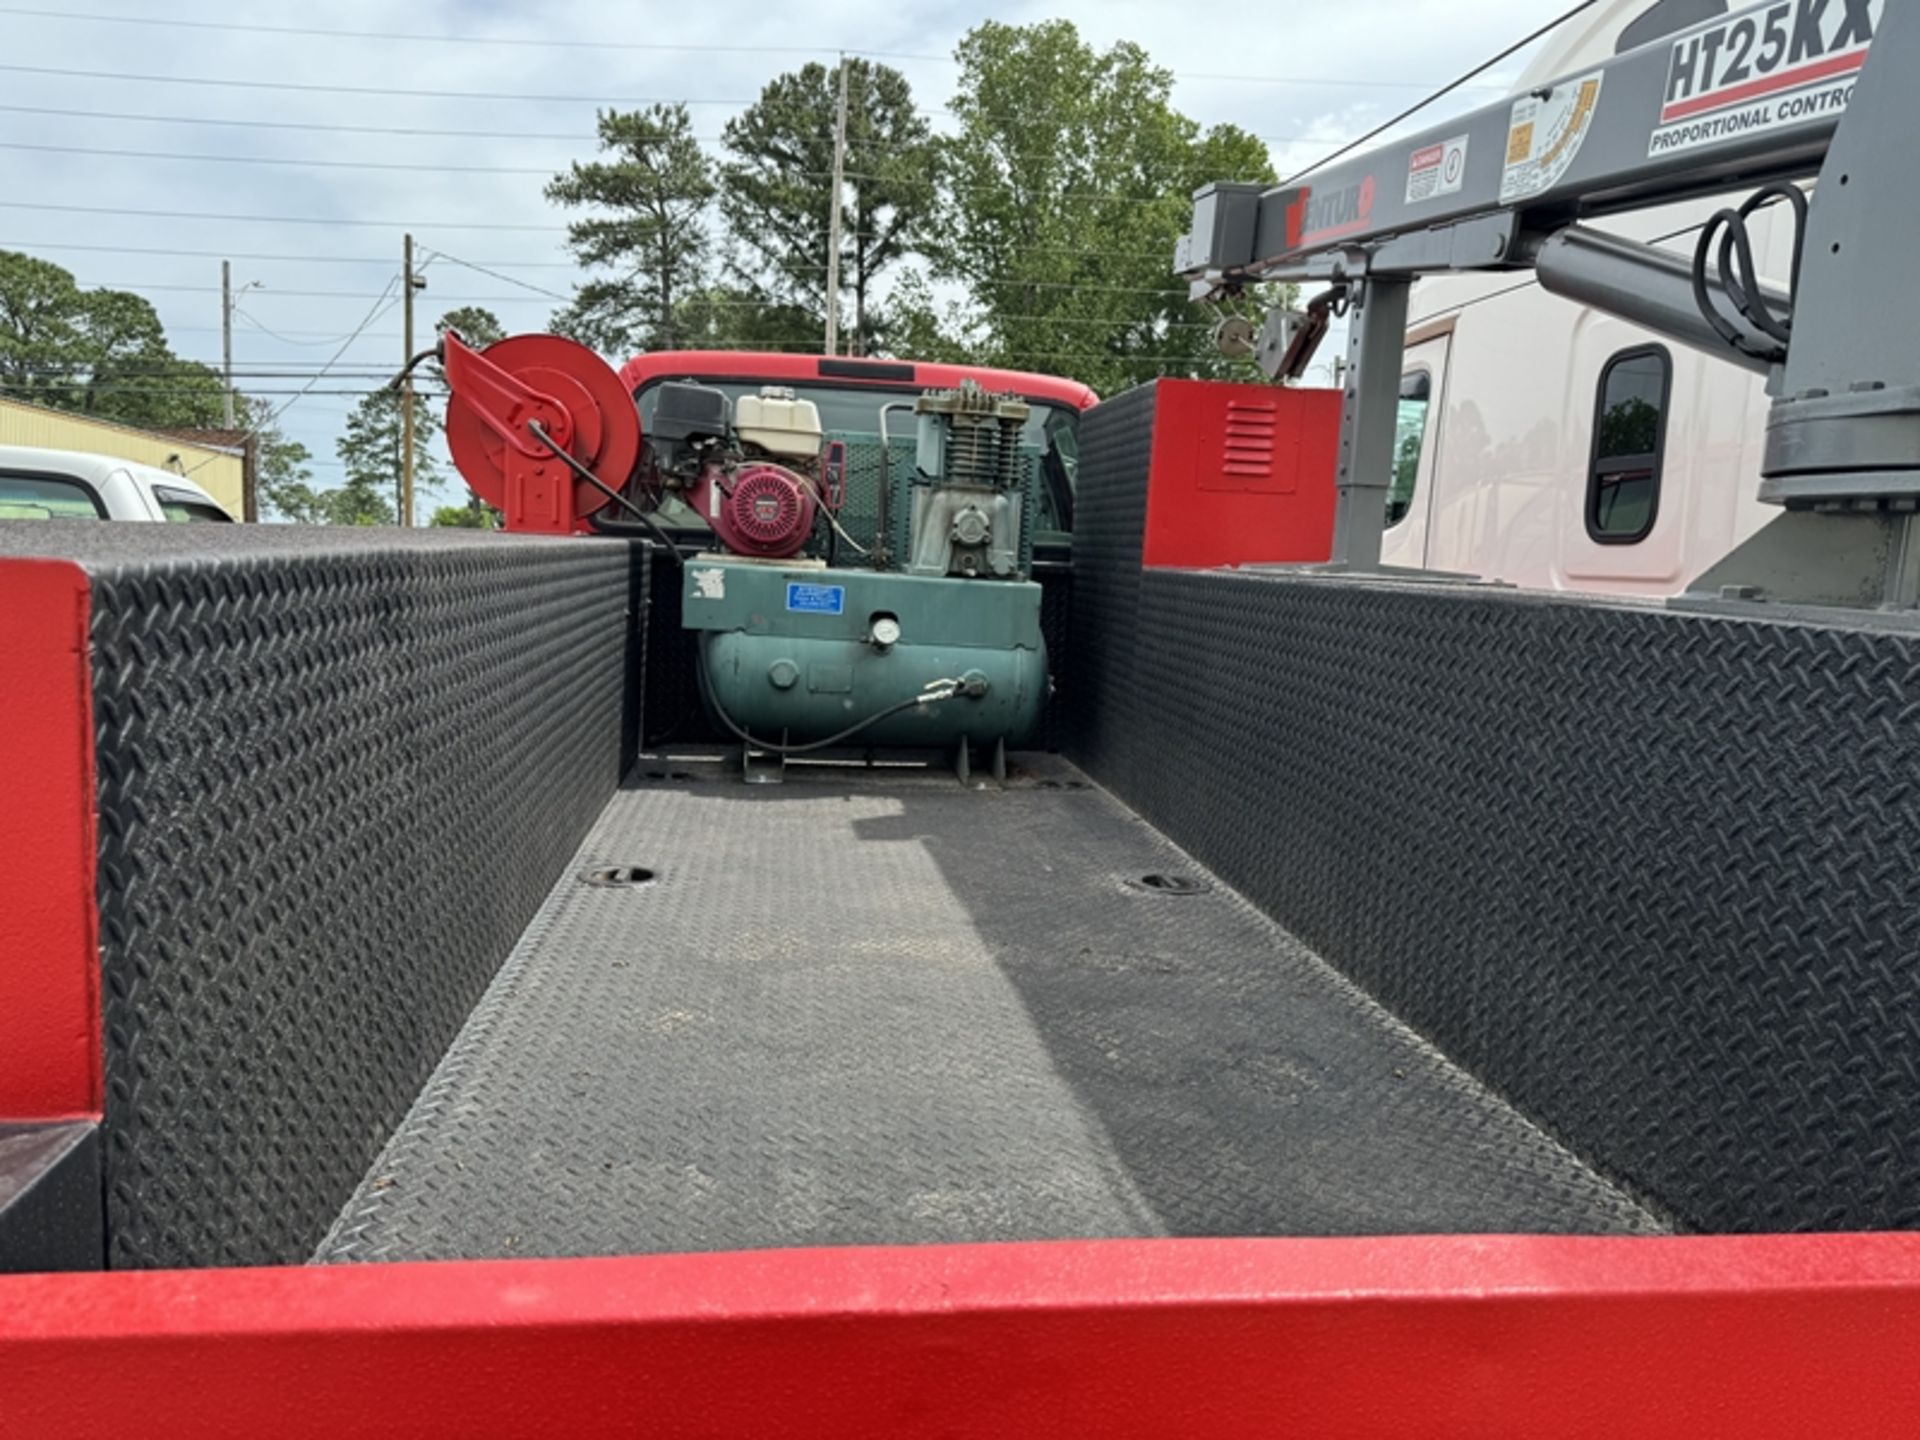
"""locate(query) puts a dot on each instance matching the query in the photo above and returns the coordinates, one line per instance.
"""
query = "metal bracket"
(764, 767)
(1863, 559)
(1376, 344)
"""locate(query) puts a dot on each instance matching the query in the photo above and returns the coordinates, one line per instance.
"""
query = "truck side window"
(1409, 437)
(1629, 436)
(43, 497)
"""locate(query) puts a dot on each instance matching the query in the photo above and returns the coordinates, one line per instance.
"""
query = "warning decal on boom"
(1762, 71)
(1544, 133)
(1437, 170)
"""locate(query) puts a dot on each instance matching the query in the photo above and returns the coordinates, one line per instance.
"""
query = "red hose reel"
(501, 394)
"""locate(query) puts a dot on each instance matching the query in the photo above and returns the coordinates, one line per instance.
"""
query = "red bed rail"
(1429, 1336)
(49, 925)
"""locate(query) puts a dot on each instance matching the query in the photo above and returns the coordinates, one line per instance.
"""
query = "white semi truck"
(1549, 444)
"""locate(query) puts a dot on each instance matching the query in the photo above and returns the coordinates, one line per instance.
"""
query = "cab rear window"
(46, 497)
(182, 506)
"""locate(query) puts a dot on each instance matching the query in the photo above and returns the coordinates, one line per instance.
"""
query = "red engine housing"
(761, 510)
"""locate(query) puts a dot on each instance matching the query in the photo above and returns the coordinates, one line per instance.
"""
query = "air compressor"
(859, 589)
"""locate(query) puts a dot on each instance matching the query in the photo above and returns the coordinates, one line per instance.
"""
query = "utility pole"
(406, 388)
(226, 339)
(833, 215)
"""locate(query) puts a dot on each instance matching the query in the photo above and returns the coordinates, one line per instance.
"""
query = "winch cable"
(1739, 276)
(936, 691)
(646, 521)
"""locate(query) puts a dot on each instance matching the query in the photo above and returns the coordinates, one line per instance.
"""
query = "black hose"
(432, 352)
(1740, 277)
(713, 701)
(642, 529)
(647, 524)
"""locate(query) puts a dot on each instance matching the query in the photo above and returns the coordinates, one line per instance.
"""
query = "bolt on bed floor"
(861, 1009)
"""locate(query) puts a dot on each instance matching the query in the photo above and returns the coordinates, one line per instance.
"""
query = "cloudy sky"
(137, 154)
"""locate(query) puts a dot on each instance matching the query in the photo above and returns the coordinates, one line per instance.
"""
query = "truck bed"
(873, 1007)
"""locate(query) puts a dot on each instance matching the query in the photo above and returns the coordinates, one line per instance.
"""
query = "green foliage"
(645, 230)
(920, 328)
(726, 317)
(777, 192)
(360, 501)
(98, 352)
(1630, 426)
(370, 451)
(475, 324)
(285, 476)
(1066, 188)
(476, 514)
(1410, 434)
(1043, 229)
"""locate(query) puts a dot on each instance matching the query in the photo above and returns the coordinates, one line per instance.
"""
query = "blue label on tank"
(817, 599)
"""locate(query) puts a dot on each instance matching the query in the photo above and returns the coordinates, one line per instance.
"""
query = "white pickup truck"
(69, 485)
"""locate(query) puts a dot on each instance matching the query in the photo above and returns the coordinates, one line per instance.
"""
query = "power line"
(1446, 89)
(476, 266)
(386, 260)
(811, 347)
(1215, 79)
(227, 82)
(1069, 193)
(428, 225)
(516, 41)
(489, 267)
(710, 304)
(82, 373)
(281, 219)
(522, 42)
(109, 387)
(437, 168)
(379, 307)
(313, 337)
(138, 287)
(181, 365)
(572, 137)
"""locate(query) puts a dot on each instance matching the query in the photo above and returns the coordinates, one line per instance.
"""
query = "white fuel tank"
(778, 423)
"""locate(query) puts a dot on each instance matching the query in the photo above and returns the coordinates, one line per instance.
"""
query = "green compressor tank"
(794, 652)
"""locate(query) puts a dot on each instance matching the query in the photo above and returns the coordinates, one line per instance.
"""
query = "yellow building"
(216, 460)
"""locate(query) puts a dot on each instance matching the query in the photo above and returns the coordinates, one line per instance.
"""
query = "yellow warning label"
(1576, 126)
(1544, 133)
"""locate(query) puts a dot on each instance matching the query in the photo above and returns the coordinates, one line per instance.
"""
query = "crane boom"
(1762, 99)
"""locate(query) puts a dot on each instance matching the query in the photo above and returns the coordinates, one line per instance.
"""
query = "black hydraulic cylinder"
(1640, 284)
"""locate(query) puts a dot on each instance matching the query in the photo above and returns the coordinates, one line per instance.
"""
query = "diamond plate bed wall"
(1647, 873)
(336, 774)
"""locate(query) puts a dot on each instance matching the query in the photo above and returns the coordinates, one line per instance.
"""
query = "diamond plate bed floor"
(864, 1010)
